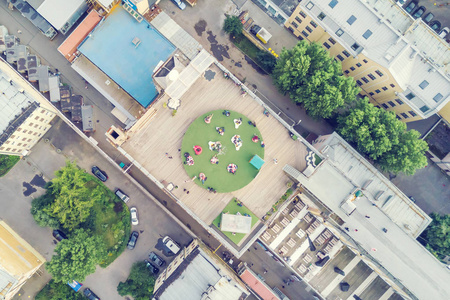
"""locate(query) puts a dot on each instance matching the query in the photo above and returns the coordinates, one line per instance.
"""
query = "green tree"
(374, 131)
(437, 235)
(42, 218)
(58, 291)
(73, 199)
(139, 284)
(76, 257)
(312, 77)
(407, 156)
(266, 60)
(233, 25)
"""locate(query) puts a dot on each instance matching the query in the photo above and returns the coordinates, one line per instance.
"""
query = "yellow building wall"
(445, 112)
(375, 81)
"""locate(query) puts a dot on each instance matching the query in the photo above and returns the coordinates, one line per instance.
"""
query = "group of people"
(189, 159)
(220, 130)
(236, 140)
(232, 168)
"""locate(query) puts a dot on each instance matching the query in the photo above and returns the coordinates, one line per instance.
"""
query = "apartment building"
(25, 114)
(18, 262)
(399, 63)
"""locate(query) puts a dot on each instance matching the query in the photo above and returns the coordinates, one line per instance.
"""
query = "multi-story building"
(25, 114)
(399, 63)
(18, 261)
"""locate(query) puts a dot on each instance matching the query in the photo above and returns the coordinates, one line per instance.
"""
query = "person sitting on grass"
(226, 113)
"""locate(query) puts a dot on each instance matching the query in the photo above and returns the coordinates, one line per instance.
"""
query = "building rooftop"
(110, 47)
(257, 285)
(59, 12)
(32, 15)
(69, 47)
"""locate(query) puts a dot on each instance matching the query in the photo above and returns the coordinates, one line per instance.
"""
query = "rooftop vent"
(136, 42)
(366, 185)
(378, 195)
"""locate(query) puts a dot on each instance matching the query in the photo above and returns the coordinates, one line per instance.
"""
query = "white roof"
(106, 3)
(58, 12)
(236, 223)
(360, 174)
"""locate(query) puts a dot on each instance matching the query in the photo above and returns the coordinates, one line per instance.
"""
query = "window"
(392, 104)
(339, 32)
(326, 45)
(29, 140)
(400, 102)
(298, 20)
(358, 65)
(365, 61)
(294, 24)
(359, 82)
(340, 57)
(301, 13)
(377, 91)
(291, 29)
(379, 73)
(438, 97)
(31, 124)
(412, 113)
(37, 118)
(398, 117)
(365, 79)
(310, 5)
(384, 88)
(305, 33)
(385, 105)
(346, 71)
(404, 115)
(371, 76)
(424, 84)
(332, 41)
(424, 108)
(23, 140)
(313, 24)
(367, 34)
(352, 68)
(42, 119)
(309, 29)
(300, 38)
(392, 85)
(351, 20)
(377, 106)
(19, 129)
(355, 46)
(371, 94)
(333, 3)
(19, 144)
(345, 52)
(25, 145)
(42, 111)
(410, 96)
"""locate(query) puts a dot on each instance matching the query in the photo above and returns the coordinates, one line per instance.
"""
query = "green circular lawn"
(200, 133)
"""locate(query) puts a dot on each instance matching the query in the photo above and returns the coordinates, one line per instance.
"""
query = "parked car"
(122, 196)
(428, 18)
(435, 25)
(134, 216)
(151, 267)
(133, 239)
(99, 173)
(180, 4)
(90, 295)
(171, 244)
(156, 260)
(444, 32)
(59, 235)
(411, 6)
(419, 12)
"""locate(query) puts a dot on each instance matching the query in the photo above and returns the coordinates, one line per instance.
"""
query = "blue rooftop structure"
(257, 162)
(128, 51)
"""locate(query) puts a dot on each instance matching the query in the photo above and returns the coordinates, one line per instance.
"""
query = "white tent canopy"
(236, 223)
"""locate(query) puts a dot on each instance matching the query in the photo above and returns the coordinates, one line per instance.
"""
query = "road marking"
(217, 248)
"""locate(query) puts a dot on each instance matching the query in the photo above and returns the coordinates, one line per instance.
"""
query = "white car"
(180, 4)
(134, 216)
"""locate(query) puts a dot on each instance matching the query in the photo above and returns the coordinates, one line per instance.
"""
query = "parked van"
(119, 193)
(171, 244)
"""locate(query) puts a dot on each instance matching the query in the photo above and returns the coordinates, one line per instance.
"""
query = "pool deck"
(164, 134)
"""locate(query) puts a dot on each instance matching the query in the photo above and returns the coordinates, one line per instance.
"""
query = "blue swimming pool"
(110, 47)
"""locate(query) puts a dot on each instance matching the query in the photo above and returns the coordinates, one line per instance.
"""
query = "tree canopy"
(378, 134)
(233, 25)
(139, 284)
(266, 60)
(76, 257)
(312, 77)
(58, 291)
(437, 235)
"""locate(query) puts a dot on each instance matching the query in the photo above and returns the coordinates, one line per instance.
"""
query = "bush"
(232, 25)
(58, 291)
(266, 60)
(139, 284)
(7, 162)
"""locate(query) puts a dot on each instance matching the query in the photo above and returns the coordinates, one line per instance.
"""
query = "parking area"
(47, 157)
(439, 8)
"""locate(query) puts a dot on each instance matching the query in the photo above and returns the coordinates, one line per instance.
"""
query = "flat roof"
(58, 12)
(69, 46)
(236, 223)
(110, 47)
(258, 286)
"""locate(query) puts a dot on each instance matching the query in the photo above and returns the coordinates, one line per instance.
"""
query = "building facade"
(25, 114)
(15, 266)
(399, 63)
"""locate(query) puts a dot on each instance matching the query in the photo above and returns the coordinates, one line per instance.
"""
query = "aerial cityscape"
(225, 149)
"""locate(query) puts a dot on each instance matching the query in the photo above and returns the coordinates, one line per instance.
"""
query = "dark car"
(255, 29)
(435, 25)
(151, 267)
(428, 18)
(419, 12)
(90, 295)
(410, 7)
(133, 239)
(99, 173)
(155, 259)
(59, 235)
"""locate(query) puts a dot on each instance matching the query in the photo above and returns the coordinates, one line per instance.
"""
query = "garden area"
(96, 222)
(217, 151)
(6, 163)
(234, 207)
